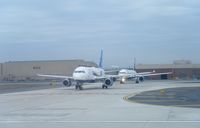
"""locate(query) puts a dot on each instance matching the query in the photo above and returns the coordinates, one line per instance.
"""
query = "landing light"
(123, 79)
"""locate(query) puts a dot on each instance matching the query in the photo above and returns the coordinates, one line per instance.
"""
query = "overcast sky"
(153, 31)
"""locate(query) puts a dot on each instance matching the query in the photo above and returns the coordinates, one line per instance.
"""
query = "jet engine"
(108, 82)
(141, 79)
(67, 82)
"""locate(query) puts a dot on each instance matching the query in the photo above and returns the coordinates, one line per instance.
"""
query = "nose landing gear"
(78, 86)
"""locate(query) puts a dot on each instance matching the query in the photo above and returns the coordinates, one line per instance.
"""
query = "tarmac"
(6, 87)
(100, 108)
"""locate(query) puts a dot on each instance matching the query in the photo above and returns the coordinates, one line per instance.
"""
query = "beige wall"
(177, 73)
(28, 69)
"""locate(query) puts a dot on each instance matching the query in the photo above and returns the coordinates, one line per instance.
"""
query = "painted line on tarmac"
(126, 98)
(187, 105)
(147, 101)
(115, 121)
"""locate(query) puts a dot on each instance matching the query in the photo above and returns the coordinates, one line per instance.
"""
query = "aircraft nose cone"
(79, 76)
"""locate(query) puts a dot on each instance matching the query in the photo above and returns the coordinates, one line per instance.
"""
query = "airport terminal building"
(181, 69)
(27, 70)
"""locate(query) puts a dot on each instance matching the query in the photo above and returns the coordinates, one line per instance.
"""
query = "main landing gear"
(104, 86)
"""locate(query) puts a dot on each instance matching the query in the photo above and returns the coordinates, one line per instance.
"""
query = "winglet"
(101, 60)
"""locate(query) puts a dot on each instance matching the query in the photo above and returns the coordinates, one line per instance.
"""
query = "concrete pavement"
(94, 107)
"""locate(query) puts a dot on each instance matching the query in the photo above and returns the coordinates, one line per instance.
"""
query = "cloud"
(132, 27)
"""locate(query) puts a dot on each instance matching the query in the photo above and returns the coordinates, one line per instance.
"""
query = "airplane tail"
(101, 60)
(134, 68)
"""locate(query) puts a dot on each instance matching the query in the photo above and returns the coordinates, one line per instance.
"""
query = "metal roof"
(167, 66)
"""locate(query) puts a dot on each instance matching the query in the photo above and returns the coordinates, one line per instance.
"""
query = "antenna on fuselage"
(101, 60)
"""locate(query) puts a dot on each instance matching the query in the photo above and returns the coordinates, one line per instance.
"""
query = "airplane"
(128, 74)
(85, 74)
(131, 74)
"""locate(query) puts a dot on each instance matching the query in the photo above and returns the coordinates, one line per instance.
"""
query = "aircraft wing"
(107, 76)
(56, 76)
(155, 74)
(112, 76)
(111, 71)
(144, 73)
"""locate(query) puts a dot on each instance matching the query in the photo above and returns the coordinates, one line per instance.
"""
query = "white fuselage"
(84, 74)
(87, 73)
(125, 73)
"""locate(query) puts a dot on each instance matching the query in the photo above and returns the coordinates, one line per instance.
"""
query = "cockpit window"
(79, 71)
(122, 72)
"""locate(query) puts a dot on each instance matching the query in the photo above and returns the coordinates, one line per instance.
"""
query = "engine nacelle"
(141, 79)
(67, 82)
(108, 82)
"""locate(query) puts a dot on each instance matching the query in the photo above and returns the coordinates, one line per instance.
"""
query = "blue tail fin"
(101, 60)
(134, 68)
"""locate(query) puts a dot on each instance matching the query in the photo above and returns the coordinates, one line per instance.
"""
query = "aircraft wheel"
(104, 86)
(80, 88)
